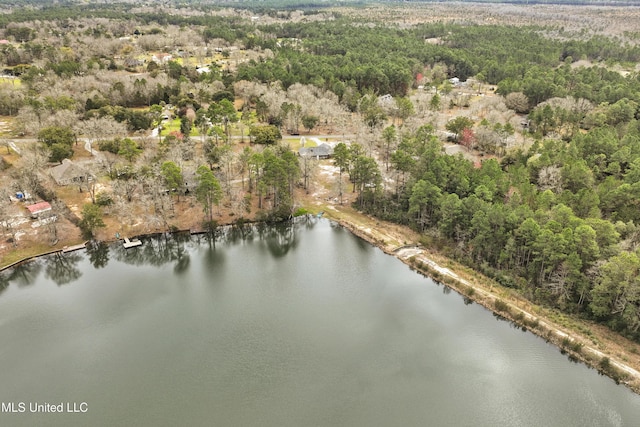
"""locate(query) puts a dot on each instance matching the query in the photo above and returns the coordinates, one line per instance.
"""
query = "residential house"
(133, 63)
(322, 151)
(69, 173)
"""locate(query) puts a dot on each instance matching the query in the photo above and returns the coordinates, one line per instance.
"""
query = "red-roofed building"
(39, 208)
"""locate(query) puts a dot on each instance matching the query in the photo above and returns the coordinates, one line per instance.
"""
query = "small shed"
(38, 209)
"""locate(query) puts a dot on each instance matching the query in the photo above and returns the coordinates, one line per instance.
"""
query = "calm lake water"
(304, 325)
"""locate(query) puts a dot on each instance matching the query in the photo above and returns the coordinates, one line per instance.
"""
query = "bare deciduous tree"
(517, 101)
(309, 168)
(125, 188)
(100, 128)
(550, 178)
(7, 217)
(34, 158)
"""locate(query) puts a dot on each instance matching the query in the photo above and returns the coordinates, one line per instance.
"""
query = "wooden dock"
(131, 243)
(73, 248)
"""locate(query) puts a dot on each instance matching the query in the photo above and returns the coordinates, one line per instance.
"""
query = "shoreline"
(569, 342)
(417, 258)
(65, 248)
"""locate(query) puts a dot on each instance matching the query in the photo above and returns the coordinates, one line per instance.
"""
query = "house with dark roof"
(69, 173)
(322, 151)
(133, 63)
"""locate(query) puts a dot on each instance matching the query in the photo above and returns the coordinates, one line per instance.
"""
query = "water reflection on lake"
(295, 325)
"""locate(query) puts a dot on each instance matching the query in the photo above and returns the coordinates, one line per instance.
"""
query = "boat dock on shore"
(131, 243)
(74, 248)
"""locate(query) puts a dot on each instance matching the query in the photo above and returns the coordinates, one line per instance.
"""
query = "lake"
(297, 325)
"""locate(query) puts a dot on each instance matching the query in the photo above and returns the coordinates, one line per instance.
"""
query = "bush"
(223, 94)
(265, 134)
(210, 226)
(91, 219)
(4, 164)
(501, 306)
(103, 199)
(112, 146)
(576, 347)
(533, 323)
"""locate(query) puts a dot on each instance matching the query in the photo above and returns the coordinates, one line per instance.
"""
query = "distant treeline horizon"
(308, 4)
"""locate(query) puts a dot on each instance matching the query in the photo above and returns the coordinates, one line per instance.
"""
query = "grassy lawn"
(9, 81)
(22, 253)
(174, 126)
(80, 153)
(192, 61)
(295, 144)
(11, 157)
(169, 126)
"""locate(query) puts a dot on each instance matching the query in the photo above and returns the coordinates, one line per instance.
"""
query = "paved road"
(16, 143)
(14, 147)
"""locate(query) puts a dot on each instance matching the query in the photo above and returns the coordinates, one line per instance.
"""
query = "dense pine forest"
(544, 197)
